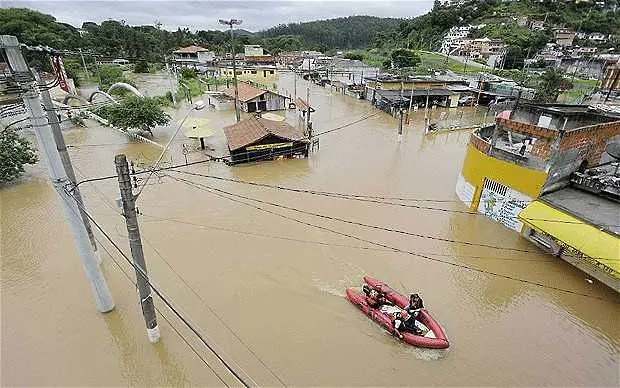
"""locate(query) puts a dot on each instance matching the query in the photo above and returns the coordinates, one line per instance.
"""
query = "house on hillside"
(193, 56)
(564, 37)
(253, 50)
(257, 139)
(252, 99)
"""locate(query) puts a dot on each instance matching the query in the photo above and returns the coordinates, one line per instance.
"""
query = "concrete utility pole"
(135, 243)
(84, 63)
(171, 79)
(308, 103)
(231, 23)
(66, 160)
(400, 126)
(295, 83)
(58, 176)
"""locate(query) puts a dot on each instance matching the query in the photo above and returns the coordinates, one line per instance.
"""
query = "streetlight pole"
(231, 23)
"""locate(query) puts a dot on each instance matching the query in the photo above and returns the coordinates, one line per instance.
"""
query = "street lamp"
(231, 23)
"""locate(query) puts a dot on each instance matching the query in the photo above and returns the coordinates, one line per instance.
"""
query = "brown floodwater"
(269, 290)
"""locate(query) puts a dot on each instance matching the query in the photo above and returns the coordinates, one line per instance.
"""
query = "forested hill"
(347, 32)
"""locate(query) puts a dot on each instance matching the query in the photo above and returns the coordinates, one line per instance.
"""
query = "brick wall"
(591, 139)
(527, 129)
(542, 148)
(479, 143)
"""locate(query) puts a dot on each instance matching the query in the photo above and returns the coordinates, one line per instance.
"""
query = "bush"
(141, 67)
(15, 151)
(135, 113)
(354, 56)
(188, 73)
(404, 58)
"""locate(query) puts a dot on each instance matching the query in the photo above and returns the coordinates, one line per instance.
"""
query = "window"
(270, 71)
(253, 71)
(238, 72)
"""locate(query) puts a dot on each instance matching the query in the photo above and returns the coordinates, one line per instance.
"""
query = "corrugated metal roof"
(249, 131)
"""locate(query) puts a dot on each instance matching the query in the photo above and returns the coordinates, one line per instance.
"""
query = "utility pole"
(295, 83)
(400, 126)
(426, 120)
(410, 103)
(135, 243)
(171, 78)
(231, 23)
(308, 101)
(84, 63)
(66, 160)
(58, 176)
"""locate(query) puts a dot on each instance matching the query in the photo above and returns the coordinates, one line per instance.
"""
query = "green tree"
(15, 152)
(110, 75)
(550, 85)
(354, 56)
(404, 58)
(136, 113)
(188, 73)
(141, 67)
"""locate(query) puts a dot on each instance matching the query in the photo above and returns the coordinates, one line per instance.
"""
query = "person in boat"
(404, 323)
(374, 298)
(415, 305)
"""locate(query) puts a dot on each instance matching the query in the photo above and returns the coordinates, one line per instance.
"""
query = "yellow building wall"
(262, 77)
(478, 165)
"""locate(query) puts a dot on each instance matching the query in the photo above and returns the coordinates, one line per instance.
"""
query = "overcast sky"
(203, 15)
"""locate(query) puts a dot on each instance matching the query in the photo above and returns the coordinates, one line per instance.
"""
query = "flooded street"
(268, 287)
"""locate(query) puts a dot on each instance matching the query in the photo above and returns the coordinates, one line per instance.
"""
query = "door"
(251, 107)
(262, 105)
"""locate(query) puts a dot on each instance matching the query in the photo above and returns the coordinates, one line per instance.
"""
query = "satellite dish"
(613, 149)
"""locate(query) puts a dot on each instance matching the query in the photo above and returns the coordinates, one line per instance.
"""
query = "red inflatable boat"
(433, 335)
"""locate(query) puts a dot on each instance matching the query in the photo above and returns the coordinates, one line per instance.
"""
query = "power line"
(256, 234)
(393, 230)
(166, 301)
(162, 315)
(211, 190)
(214, 312)
(363, 198)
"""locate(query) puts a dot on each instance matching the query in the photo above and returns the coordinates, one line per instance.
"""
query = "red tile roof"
(246, 92)
(249, 131)
(191, 49)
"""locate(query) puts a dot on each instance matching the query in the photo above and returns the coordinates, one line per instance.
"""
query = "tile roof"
(251, 130)
(190, 49)
(246, 92)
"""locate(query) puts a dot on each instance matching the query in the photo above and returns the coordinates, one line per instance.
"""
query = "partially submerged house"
(257, 138)
(252, 99)
(542, 170)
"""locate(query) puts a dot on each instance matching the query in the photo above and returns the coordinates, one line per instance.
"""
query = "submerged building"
(257, 138)
(524, 172)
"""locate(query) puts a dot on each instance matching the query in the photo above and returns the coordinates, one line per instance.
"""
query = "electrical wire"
(322, 243)
(154, 168)
(106, 202)
(227, 195)
(165, 299)
(219, 318)
(392, 230)
(102, 178)
(128, 277)
(363, 198)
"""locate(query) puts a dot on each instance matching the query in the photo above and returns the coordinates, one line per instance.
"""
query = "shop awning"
(588, 239)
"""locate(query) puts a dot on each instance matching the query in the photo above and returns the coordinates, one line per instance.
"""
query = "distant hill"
(348, 32)
(242, 32)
